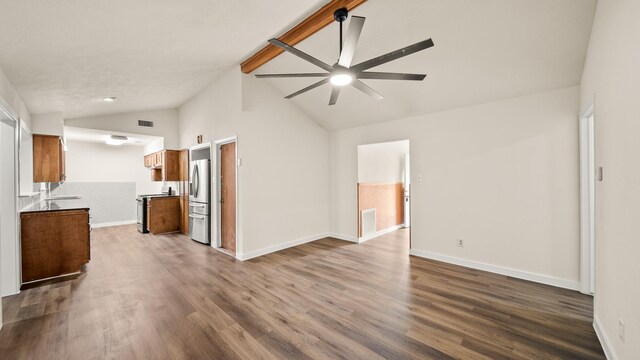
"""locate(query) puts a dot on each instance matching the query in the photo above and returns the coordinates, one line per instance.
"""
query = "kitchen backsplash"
(24, 201)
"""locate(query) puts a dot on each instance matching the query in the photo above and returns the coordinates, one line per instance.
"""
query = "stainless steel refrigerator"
(199, 200)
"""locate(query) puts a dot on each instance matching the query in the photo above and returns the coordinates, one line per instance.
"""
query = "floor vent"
(145, 123)
(368, 221)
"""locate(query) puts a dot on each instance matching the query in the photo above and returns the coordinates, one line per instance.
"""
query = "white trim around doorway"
(217, 243)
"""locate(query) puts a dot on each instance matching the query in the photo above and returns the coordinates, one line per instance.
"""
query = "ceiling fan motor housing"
(341, 15)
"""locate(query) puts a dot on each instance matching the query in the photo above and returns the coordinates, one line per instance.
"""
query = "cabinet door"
(171, 165)
(54, 243)
(149, 215)
(163, 215)
(47, 161)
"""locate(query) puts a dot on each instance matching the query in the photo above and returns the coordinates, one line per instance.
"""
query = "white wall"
(214, 113)
(165, 124)
(48, 124)
(285, 170)
(9, 246)
(283, 194)
(503, 176)
(382, 162)
(10, 97)
(99, 162)
(612, 77)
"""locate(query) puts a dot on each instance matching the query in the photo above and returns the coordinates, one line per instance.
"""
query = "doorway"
(587, 201)
(10, 275)
(384, 189)
(227, 194)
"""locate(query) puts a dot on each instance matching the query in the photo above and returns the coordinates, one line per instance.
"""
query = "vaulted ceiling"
(63, 56)
(485, 50)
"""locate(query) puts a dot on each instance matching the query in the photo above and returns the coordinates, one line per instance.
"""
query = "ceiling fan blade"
(310, 87)
(301, 54)
(367, 90)
(351, 41)
(334, 95)
(390, 76)
(301, 75)
(394, 55)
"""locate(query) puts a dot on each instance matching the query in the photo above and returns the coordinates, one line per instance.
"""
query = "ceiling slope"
(485, 50)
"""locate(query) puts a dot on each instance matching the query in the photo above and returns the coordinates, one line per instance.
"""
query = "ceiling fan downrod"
(340, 15)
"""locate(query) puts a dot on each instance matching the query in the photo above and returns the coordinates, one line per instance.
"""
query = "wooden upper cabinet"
(148, 160)
(48, 159)
(164, 165)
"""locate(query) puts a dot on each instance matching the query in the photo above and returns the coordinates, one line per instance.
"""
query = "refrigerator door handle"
(196, 177)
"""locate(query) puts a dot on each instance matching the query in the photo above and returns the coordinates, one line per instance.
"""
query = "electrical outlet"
(621, 329)
(460, 243)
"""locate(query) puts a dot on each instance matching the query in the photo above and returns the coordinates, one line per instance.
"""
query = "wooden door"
(228, 196)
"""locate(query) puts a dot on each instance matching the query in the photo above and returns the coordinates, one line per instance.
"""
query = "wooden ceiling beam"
(303, 30)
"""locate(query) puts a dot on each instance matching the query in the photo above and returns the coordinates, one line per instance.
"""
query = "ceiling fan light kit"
(343, 73)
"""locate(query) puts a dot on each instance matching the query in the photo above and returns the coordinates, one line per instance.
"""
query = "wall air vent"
(145, 123)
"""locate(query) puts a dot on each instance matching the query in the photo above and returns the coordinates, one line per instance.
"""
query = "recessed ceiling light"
(110, 99)
(116, 140)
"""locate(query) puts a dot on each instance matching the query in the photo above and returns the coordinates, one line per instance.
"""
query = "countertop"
(57, 205)
(161, 196)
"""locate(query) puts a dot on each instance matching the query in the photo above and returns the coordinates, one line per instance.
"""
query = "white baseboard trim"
(344, 237)
(525, 275)
(117, 223)
(604, 340)
(380, 233)
(270, 249)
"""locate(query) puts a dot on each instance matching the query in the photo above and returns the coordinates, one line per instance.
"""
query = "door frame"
(218, 195)
(358, 237)
(14, 121)
(587, 200)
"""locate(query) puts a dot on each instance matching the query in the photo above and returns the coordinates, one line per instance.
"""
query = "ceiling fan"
(343, 73)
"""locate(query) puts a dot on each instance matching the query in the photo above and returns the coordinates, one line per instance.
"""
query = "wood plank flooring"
(166, 297)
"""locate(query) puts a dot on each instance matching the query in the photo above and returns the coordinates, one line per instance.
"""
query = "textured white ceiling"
(65, 55)
(485, 50)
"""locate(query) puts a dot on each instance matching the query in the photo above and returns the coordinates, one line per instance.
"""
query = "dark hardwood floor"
(166, 297)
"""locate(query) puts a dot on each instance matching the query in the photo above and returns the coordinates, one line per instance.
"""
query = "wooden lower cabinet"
(54, 243)
(163, 214)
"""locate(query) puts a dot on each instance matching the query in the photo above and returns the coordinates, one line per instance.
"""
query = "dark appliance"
(142, 214)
